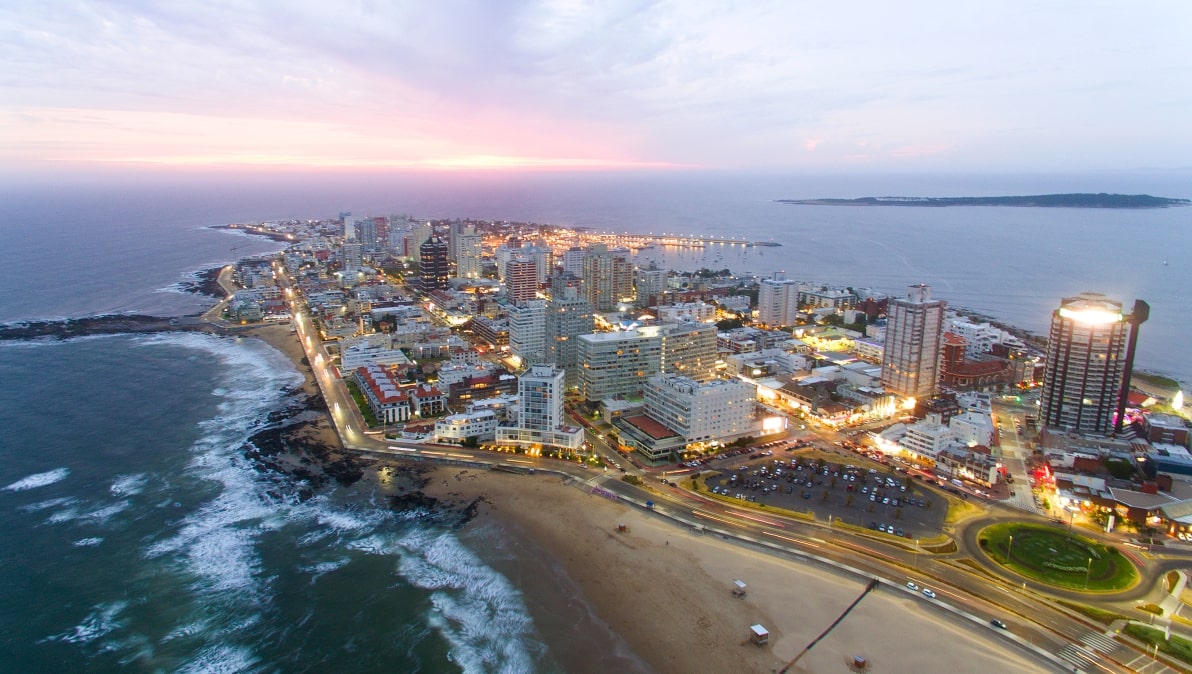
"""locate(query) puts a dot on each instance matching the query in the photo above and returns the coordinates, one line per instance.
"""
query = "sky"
(510, 84)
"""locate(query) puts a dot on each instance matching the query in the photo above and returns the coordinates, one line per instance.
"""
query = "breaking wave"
(39, 480)
(218, 544)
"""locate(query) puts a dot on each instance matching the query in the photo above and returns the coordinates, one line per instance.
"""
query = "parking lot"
(882, 499)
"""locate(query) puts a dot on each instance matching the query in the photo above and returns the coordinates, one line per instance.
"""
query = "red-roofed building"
(388, 402)
(958, 372)
(427, 400)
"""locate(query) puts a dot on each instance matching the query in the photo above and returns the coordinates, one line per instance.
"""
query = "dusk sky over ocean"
(868, 86)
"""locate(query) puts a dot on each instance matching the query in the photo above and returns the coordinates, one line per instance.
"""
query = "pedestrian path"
(1102, 643)
(1082, 658)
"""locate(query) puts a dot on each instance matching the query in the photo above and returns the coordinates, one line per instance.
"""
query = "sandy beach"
(664, 592)
(658, 597)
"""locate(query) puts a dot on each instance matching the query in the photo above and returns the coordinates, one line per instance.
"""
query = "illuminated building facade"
(615, 364)
(433, 265)
(777, 301)
(1085, 360)
(568, 315)
(715, 410)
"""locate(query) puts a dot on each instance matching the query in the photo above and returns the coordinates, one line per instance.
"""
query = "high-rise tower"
(914, 330)
(1085, 364)
(433, 265)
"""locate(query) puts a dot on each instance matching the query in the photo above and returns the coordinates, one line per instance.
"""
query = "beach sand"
(660, 597)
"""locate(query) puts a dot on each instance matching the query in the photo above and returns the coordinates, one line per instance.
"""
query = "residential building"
(521, 279)
(469, 264)
(777, 301)
(540, 418)
(608, 278)
(914, 330)
(648, 284)
(458, 428)
(433, 265)
(618, 363)
(568, 315)
(527, 331)
(717, 410)
(689, 349)
(1083, 370)
(385, 397)
(700, 312)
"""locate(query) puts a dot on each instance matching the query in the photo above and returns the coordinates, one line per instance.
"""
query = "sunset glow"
(545, 85)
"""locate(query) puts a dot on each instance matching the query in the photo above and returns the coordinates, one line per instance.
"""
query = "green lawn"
(1177, 647)
(369, 418)
(1057, 557)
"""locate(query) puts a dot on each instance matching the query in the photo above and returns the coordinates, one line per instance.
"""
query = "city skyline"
(565, 86)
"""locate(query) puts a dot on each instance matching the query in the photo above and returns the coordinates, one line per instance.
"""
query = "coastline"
(665, 591)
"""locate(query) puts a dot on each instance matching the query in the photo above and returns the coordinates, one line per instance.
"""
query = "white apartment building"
(697, 312)
(719, 410)
(540, 418)
(777, 301)
(927, 439)
(457, 428)
(527, 331)
(979, 337)
(468, 264)
(375, 349)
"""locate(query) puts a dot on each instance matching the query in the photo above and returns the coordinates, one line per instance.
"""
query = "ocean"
(135, 535)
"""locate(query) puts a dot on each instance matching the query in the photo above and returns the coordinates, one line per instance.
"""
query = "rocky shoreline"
(272, 236)
(70, 328)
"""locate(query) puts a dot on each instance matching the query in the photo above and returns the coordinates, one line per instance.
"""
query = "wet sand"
(665, 592)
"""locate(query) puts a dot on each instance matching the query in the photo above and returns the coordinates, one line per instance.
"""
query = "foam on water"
(476, 608)
(128, 485)
(99, 623)
(221, 659)
(39, 480)
(102, 515)
(218, 543)
(88, 542)
(47, 504)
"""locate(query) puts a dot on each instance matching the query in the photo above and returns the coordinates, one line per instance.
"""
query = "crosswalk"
(1084, 656)
(1081, 657)
(1102, 643)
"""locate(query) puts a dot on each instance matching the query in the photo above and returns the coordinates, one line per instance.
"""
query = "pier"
(651, 240)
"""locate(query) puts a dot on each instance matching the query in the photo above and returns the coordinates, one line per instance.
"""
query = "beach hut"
(738, 589)
(759, 635)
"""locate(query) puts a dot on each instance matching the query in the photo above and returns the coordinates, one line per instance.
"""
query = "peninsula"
(1076, 200)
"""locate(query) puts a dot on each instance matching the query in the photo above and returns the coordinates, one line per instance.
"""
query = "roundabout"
(1057, 558)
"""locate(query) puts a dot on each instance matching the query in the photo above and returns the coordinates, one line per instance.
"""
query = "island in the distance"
(1101, 200)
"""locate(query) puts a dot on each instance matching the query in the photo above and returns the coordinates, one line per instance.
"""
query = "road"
(1029, 611)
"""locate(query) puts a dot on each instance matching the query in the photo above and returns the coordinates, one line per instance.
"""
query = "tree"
(825, 497)
(849, 502)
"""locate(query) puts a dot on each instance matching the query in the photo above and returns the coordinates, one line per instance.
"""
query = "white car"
(928, 593)
(912, 587)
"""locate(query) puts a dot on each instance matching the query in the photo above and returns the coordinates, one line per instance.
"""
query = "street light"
(1009, 547)
(1088, 573)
